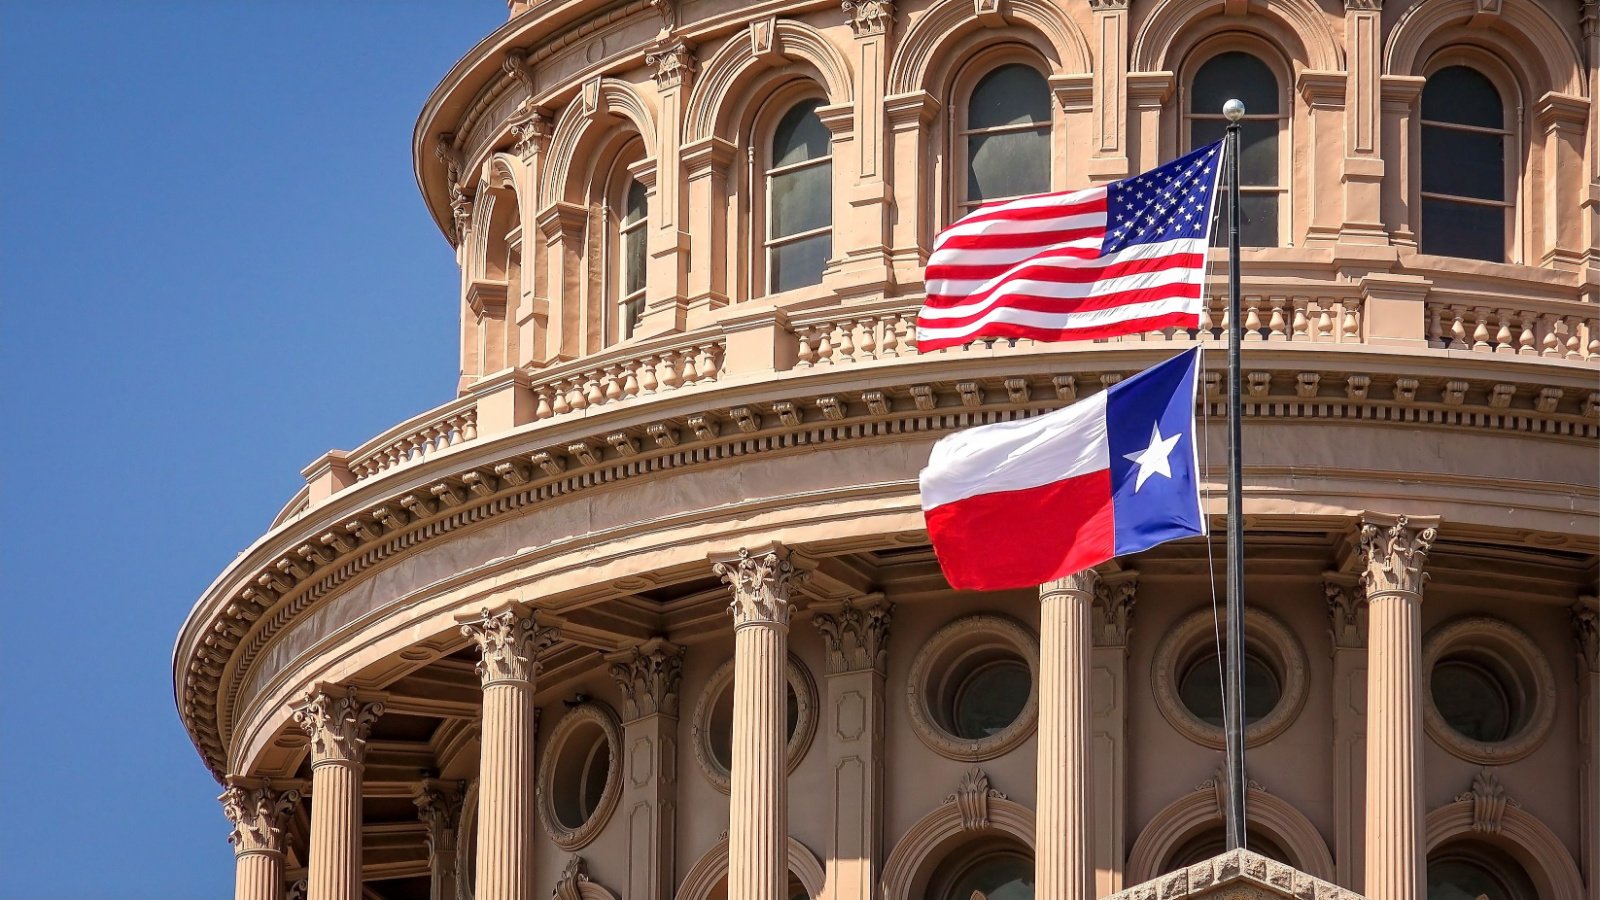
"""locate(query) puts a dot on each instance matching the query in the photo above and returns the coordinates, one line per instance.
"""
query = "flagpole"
(1233, 697)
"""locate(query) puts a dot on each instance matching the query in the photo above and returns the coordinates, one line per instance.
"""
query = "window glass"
(634, 264)
(1200, 689)
(1008, 135)
(1231, 75)
(799, 263)
(1234, 75)
(1471, 700)
(1473, 871)
(1462, 95)
(1463, 163)
(800, 136)
(987, 701)
(799, 200)
(1000, 876)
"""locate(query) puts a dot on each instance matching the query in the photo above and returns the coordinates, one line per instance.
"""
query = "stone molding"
(972, 797)
(648, 675)
(1270, 634)
(1489, 801)
(509, 641)
(589, 713)
(925, 723)
(855, 634)
(1541, 853)
(761, 583)
(805, 728)
(337, 720)
(260, 817)
(1513, 646)
(1221, 875)
(264, 601)
(1202, 808)
(1395, 549)
(575, 883)
(930, 837)
(712, 867)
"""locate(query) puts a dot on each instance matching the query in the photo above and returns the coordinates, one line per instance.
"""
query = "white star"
(1154, 459)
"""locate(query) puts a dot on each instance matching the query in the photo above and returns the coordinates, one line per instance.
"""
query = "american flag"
(1120, 258)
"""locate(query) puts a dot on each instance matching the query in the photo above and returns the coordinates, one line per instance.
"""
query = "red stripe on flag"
(1068, 305)
(1028, 537)
(1018, 240)
(1003, 211)
(1033, 271)
(1009, 330)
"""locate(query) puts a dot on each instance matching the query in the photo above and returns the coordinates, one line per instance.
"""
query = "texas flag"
(1020, 503)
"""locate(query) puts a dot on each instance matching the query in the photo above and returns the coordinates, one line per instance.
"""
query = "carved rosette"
(673, 61)
(260, 817)
(439, 808)
(1113, 611)
(648, 675)
(856, 636)
(761, 584)
(509, 643)
(337, 721)
(1586, 634)
(1347, 614)
(1395, 553)
(869, 17)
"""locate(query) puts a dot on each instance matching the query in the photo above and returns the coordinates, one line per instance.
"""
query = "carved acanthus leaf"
(1395, 554)
(1489, 801)
(761, 584)
(260, 816)
(573, 877)
(972, 798)
(869, 17)
(1347, 613)
(673, 61)
(856, 635)
(649, 675)
(337, 721)
(1113, 611)
(509, 643)
(530, 127)
(439, 808)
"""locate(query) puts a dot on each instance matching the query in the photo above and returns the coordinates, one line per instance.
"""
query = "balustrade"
(1494, 329)
(409, 442)
(641, 373)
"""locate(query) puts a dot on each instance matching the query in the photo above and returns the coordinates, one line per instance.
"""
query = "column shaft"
(335, 871)
(758, 828)
(258, 875)
(1063, 861)
(505, 794)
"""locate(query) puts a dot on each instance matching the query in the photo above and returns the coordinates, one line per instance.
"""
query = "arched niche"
(715, 108)
(1200, 809)
(712, 867)
(1171, 28)
(1528, 841)
(974, 812)
(930, 49)
(585, 127)
(1521, 31)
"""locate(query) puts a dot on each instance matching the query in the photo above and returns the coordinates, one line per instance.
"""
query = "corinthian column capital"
(1395, 548)
(1586, 633)
(1085, 583)
(260, 817)
(1347, 611)
(761, 584)
(439, 809)
(337, 721)
(509, 641)
(856, 634)
(648, 675)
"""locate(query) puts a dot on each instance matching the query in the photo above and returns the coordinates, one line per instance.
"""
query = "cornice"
(271, 583)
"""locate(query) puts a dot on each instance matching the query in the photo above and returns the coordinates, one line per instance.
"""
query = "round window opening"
(1473, 700)
(713, 721)
(1490, 690)
(973, 688)
(581, 775)
(1200, 688)
(578, 776)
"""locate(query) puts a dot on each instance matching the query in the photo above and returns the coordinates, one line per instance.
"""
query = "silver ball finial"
(1233, 110)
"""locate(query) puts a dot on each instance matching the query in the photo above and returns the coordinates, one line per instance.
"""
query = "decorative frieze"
(761, 584)
(1395, 550)
(649, 675)
(856, 635)
(338, 722)
(509, 642)
(260, 817)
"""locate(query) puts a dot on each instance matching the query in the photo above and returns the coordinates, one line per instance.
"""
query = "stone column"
(707, 164)
(667, 287)
(1108, 740)
(1395, 549)
(260, 817)
(1347, 611)
(510, 640)
(862, 237)
(856, 635)
(530, 131)
(1110, 157)
(439, 808)
(649, 675)
(758, 827)
(1063, 863)
(1586, 634)
(337, 720)
(1363, 164)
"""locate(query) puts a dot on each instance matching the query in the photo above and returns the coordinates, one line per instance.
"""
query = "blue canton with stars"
(1166, 203)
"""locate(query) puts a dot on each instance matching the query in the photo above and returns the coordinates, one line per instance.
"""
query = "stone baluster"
(439, 809)
(338, 720)
(260, 817)
(1276, 330)
(1063, 855)
(758, 829)
(855, 635)
(1394, 550)
(649, 676)
(509, 640)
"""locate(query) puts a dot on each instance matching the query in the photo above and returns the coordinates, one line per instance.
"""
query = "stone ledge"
(1257, 875)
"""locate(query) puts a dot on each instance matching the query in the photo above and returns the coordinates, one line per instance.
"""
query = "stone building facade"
(649, 611)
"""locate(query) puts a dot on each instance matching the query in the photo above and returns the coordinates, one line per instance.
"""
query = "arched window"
(1466, 210)
(991, 870)
(631, 259)
(799, 199)
(1207, 844)
(1263, 137)
(1471, 871)
(1006, 136)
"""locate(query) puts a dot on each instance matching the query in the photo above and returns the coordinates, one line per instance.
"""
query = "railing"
(1554, 333)
(297, 504)
(417, 439)
(626, 372)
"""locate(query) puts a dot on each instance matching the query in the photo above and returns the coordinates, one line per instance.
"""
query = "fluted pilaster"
(1394, 549)
(758, 830)
(338, 721)
(439, 810)
(260, 817)
(649, 675)
(1063, 860)
(509, 640)
(1586, 636)
(1347, 625)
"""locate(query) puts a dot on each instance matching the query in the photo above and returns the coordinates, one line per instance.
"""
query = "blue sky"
(214, 266)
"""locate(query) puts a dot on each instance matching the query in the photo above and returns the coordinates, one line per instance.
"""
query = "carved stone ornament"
(260, 817)
(573, 877)
(529, 130)
(1489, 801)
(439, 808)
(1364, 5)
(460, 211)
(1347, 613)
(972, 798)
(1108, 5)
(509, 643)
(673, 61)
(298, 891)
(516, 65)
(337, 721)
(869, 17)
(648, 675)
(1395, 554)
(761, 583)
(1586, 634)
(1086, 581)
(856, 636)
(1112, 613)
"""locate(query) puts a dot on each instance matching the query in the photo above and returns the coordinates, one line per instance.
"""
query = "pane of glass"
(1201, 690)
(1464, 163)
(1007, 164)
(800, 263)
(1258, 220)
(633, 261)
(1010, 95)
(1000, 877)
(1258, 154)
(1457, 879)
(636, 203)
(1462, 96)
(1205, 131)
(1471, 701)
(1234, 76)
(991, 698)
(800, 135)
(632, 312)
(594, 779)
(1463, 229)
(801, 200)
